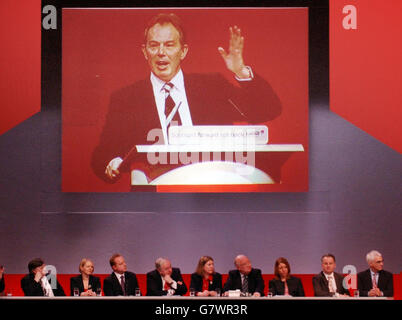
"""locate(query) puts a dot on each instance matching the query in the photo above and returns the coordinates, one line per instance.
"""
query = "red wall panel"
(20, 61)
(366, 67)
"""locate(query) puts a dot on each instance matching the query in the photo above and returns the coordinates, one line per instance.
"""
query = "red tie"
(374, 282)
(170, 104)
(166, 287)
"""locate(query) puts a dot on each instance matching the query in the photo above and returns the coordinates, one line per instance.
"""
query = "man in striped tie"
(246, 278)
(169, 96)
(375, 281)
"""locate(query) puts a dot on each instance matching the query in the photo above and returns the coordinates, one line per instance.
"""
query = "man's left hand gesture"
(234, 58)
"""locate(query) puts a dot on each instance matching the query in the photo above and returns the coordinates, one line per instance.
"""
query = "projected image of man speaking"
(169, 96)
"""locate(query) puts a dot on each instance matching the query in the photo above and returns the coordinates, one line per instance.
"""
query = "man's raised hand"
(234, 58)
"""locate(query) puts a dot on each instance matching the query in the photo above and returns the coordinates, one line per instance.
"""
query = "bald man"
(245, 277)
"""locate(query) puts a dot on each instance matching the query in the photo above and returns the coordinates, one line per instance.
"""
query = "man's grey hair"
(370, 257)
(159, 262)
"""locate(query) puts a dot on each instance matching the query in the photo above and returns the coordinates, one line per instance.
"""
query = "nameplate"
(234, 293)
(218, 135)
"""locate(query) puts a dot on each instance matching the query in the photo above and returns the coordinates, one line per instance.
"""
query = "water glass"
(76, 292)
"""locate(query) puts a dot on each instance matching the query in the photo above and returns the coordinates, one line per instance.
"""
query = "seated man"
(328, 283)
(245, 278)
(375, 281)
(165, 280)
(120, 282)
(36, 283)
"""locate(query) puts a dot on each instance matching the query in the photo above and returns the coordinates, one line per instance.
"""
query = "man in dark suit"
(245, 278)
(138, 114)
(36, 283)
(165, 280)
(328, 283)
(121, 282)
(375, 281)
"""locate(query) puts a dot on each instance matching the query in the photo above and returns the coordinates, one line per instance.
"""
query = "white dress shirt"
(328, 276)
(178, 94)
(173, 287)
(47, 288)
(119, 275)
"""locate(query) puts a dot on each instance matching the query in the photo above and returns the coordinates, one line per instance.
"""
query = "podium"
(210, 155)
(210, 172)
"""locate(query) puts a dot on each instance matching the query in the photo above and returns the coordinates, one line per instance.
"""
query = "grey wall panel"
(353, 206)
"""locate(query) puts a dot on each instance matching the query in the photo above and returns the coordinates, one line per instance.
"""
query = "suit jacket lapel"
(239, 284)
(81, 283)
(339, 282)
(381, 278)
(116, 283)
(324, 279)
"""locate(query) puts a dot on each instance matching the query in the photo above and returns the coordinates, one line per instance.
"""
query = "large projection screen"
(108, 108)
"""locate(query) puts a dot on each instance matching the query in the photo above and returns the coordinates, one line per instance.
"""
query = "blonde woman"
(86, 283)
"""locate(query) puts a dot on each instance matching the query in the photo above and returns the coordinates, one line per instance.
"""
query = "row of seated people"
(205, 281)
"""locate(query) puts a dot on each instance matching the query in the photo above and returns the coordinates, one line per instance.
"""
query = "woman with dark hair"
(205, 281)
(284, 283)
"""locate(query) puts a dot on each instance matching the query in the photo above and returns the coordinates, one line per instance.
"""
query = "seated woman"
(284, 283)
(205, 281)
(86, 283)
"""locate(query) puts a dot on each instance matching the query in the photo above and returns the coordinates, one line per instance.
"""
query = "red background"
(366, 68)
(102, 53)
(20, 36)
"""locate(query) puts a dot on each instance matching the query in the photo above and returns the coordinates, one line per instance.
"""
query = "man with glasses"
(375, 281)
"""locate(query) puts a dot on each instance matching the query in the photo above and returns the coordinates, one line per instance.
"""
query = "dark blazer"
(255, 281)
(385, 283)
(33, 288)
(154, 283)
(112, 286)
(212, 101)
(295, 286)
(320, 285)
(2, 284)
(76, 282)
(196, 282)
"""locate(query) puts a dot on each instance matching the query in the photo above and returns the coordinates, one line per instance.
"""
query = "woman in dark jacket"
(205, 281)
(284, 283)
(85, 283)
